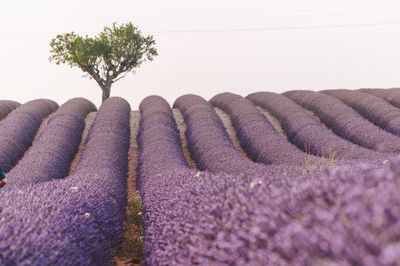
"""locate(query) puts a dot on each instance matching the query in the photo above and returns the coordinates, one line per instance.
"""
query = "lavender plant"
(6, 106)
(158, 138)
(18, 129)
(335, 218)
(390, 95)
(52, 153)
(373, 108)
(76, 220)
(160, 155)
(346, 122)
(208, 141)
(256, 135)
(305, 130)
(237, 212)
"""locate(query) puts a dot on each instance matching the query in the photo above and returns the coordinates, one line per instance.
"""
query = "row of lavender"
(208, 141)
(255, 132)
(307, 132)
(275, 216)
(260, 214)
(6, 106)
(18, 129)
(52, 153)
(375, 109)
(173, 231)
(193, 217)
(75, 220)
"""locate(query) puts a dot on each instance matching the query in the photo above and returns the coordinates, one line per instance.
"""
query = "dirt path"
(40, 129)
(88, 125)
(274, 122)
(131, 251)
(226, 121)
(180, 122)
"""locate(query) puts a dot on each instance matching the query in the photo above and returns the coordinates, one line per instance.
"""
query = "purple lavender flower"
(18, 129)
(346, 122)
(375, 109)
(6, 106)
(256, 135)
(307, 132)
(52, 153)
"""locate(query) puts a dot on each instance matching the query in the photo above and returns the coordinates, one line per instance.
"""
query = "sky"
(207, 47)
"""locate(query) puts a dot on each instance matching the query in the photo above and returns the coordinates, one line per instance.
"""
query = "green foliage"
(107, 57)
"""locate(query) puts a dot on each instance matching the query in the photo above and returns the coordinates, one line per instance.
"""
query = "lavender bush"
(275, 217)
(237, 212)
(307, 132)
(18, 129)
(390, 95)
(336, 218)
(208, 141)
(6, 106)
(375, 109)
(76, 220)
(160, 155)
(256, 135)
(346, 122)
(52, 153)
(164, 178)
(158, 138)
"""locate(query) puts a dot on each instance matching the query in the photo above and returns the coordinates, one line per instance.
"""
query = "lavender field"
(298, 178)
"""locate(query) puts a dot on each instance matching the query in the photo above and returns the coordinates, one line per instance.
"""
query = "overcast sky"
(206, 47)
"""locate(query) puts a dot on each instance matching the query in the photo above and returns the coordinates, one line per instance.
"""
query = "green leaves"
(106, 57)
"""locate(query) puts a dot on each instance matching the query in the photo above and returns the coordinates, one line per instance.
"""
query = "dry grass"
(40, 129)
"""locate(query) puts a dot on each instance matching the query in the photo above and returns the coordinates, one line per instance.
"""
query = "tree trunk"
(106, 93)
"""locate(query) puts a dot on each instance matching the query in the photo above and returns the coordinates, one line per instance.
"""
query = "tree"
(107, 57)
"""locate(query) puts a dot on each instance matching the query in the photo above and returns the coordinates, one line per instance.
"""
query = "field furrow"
(273, 121)
(230, 130)
(88, 125)
(180, 122)
(130, 252)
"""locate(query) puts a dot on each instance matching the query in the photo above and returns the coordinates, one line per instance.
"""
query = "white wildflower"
(255, 182)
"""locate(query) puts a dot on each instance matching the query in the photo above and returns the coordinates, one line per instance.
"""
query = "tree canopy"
(107, 57)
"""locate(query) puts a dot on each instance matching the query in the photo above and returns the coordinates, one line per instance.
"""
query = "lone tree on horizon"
(107, 57)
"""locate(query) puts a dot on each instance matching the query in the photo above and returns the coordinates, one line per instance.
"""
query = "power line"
(250, 17)
(279, 28)
(269, 17)
(354, 25)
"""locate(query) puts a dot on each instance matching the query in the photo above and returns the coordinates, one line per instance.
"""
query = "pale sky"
(264, 45)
